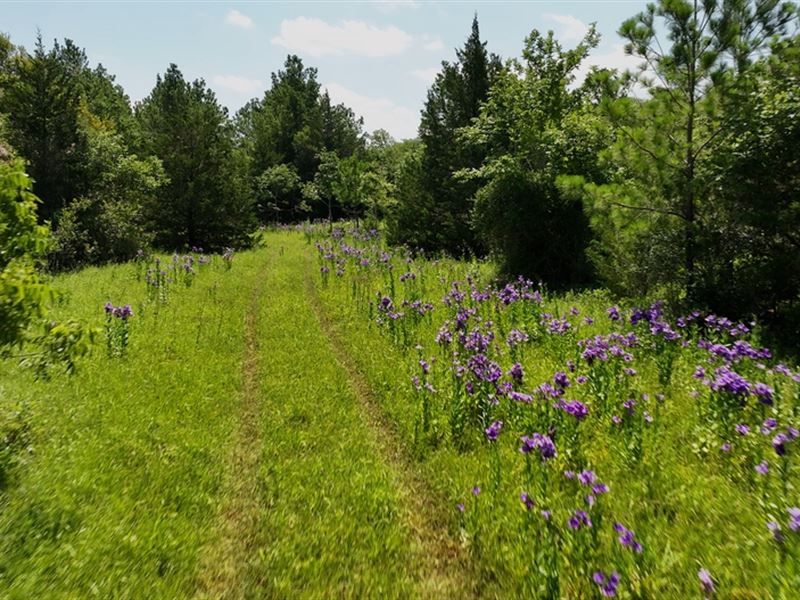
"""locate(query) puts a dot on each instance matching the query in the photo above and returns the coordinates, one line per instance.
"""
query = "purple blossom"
(493, 431)
(580, 518)
(779, 444)
(742, 429)
(794, 518)
(775, 528)
(576, 408)
(527, 500)
(608, 583)
(540, 442)
(587, 477)
(561, 380)
(627, 538)
(516, 372)
(762, 467)
(706, 581)
(729, 381)
(764, 393)
(768, 426)
(515, 337)
(476, 490)
(520, 397)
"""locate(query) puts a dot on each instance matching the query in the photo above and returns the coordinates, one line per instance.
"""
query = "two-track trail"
(321, 499)
(222, 573)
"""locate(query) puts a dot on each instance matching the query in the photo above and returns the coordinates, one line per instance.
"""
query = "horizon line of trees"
(176, 170)
(679, 179)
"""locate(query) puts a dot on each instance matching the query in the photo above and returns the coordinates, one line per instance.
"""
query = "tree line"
(175, 170)
(678, 180)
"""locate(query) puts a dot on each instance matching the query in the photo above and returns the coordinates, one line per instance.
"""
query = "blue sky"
(377, 57)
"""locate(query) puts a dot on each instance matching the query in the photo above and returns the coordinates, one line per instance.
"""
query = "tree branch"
(662, 211)
(649, 152)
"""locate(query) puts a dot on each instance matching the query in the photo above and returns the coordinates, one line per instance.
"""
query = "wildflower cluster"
(546, 389)
(117, 328)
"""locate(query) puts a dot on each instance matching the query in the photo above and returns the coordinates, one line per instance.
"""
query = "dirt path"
(443, 568)
(225, 560)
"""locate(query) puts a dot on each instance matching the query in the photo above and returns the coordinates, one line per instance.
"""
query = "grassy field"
(278, 430)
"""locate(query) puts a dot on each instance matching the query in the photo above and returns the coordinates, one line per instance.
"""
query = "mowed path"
(321, 500)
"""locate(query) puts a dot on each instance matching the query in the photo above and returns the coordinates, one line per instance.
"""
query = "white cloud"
(426, 75)
(379, 113)
(392, 5)
(240, 85)
(434, 44)
(238, 19)
(613, 59)
(317, 38)
(572, 29)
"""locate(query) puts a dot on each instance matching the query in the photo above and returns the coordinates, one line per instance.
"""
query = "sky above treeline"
(379, 58)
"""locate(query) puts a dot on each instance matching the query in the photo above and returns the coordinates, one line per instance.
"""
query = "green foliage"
(277, 194)
(205, 203)
(440, 218)
(663, 147)
(23, 295)
(108, 225)
(360, 190)
(532, 129)
(752, 259)
(42, 94)
(22, 242)
(295, 126)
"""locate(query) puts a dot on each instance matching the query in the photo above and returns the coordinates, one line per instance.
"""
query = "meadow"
(324, 416)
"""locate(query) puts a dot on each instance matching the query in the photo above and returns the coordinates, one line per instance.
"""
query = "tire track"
(224, 563)
(443, 570)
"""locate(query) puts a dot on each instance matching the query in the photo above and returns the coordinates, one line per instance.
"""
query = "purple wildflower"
(543, 443)
(516, 372)
(775, 528)
(493, 431)
(527, 500)
(520, 397)
(608, 583)
(627, 538)
(587, 477)
(768, 426)
(764, 393)
(580, 518)
(706, 581)
(794, 518)
(561, 379)
(576, 408)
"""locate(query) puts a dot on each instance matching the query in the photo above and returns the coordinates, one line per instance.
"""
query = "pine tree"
(203, 204)
(454, 99)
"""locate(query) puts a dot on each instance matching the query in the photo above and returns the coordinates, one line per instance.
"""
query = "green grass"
(123, 476)
(259, 440)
